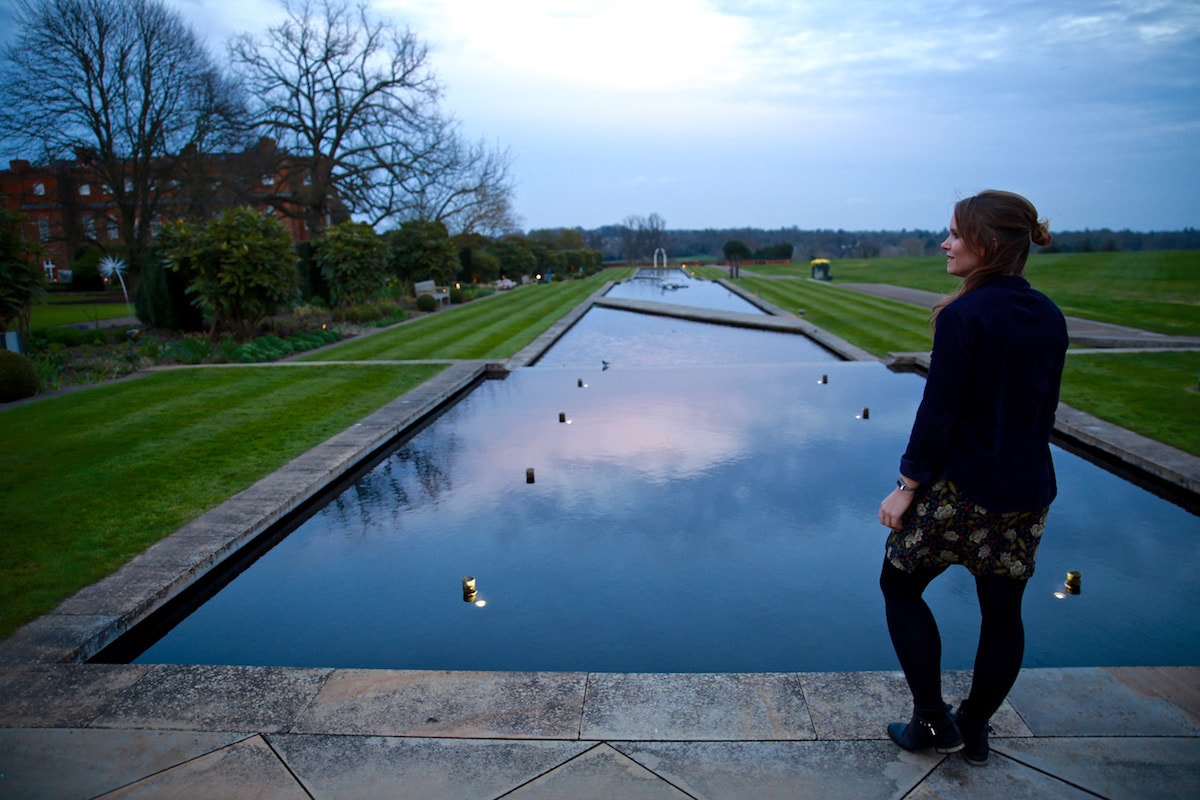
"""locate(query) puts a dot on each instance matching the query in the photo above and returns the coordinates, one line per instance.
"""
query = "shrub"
(427, 302)
(162, 299)
(22, 282)
(190, 350)
(272, 347)
(67, 336)
(457, 296)
(421, 250)
(85, 271)
(18, 377)
(353, 262)
(240, 264)
(49, 367)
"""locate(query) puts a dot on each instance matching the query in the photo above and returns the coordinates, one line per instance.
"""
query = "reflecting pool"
(678, 288)
(682, 517)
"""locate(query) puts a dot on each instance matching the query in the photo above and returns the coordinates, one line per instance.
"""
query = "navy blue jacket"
(988, 409)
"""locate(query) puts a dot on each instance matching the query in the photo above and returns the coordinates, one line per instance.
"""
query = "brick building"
(67, 209)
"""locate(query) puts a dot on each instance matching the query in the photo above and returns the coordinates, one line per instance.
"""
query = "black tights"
(918, 645)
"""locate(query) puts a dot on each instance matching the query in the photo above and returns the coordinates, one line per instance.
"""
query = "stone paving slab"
(858, 705)
(696, 706)
(532, 705)
(184, 697)
(1134, 768)
(56, 763)
(602, 773)
(248, 768)
(783, 770)
(62, 695)
(417, 769)
(270, 731)
(1001, 779)
(1064, 702)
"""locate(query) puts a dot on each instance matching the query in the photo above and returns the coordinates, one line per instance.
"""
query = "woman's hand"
(895, 506)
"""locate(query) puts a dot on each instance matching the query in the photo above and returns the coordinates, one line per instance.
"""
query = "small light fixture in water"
(480, 603)
(866, 414)
(562, 417)
(1074, 582)
(824, 380)
(529, 475)
(468, 587)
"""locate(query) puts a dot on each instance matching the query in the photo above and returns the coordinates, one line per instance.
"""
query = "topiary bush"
(18, 378)
(426, 302)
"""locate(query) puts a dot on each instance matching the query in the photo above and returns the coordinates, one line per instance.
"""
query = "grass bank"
(495, 327)
(61, 312)
(1155, 291)
(92, 478)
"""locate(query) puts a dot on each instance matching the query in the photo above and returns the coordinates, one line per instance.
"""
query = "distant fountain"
(656, 272)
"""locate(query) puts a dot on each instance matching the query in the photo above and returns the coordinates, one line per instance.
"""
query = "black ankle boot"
(975, 737)
(925, 731)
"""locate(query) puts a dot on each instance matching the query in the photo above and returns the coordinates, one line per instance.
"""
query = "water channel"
(702, 499)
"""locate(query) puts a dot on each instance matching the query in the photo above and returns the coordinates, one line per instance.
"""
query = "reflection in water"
(703, 459)
(678, 288)
(710, 481)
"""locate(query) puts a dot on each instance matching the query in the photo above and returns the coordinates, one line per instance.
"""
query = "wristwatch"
(904, 487)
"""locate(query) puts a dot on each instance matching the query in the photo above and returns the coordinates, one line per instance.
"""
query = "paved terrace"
(72, 729)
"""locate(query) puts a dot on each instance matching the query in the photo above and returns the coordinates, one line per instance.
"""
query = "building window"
(308, 179)
(113, 231)
(85, 189)
(89, 227)
(39, 189)
(268, 180)
(44, 228)
(128, 185)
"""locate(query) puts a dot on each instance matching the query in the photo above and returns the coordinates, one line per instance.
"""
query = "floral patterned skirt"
(944, 527)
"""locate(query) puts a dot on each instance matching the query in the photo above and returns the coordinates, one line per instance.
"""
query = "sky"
(853, 114)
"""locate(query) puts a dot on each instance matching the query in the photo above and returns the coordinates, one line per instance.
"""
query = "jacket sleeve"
(946, 385)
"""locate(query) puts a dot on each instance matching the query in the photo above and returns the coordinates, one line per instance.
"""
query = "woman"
(976, 480)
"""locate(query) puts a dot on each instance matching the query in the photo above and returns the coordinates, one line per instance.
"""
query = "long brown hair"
(999, 227)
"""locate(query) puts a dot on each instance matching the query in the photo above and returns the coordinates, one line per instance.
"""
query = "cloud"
(823, 113)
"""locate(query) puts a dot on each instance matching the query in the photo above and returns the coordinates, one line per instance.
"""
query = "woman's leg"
(1001, 643)
(915, 634)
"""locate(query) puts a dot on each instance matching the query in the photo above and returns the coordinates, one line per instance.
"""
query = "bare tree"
(630, 231)
(654, 232)
(351, 99)
(124, 83)
(464, 186)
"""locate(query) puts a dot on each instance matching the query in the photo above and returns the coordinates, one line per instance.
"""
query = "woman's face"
(960, 259)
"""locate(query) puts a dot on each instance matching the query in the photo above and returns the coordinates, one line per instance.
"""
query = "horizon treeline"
(615, 242)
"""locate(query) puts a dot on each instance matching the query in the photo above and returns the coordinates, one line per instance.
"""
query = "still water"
(678, 288)
(688, 516)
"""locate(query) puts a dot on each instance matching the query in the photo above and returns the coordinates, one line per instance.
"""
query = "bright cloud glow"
(868, 114)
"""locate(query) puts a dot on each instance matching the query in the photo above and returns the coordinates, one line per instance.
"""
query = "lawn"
(92, 478)
(495, 327)
(47, 315)
(1156, 291)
